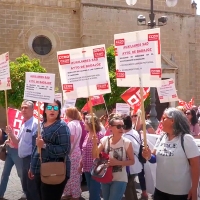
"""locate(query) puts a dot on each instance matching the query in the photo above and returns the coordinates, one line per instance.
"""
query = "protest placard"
(122, 109)
(5, 83)
(138, 53)
(40, 87)
(84, 72)
(58, 96)
(167, 91)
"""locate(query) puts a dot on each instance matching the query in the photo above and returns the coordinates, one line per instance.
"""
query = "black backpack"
(140, 157)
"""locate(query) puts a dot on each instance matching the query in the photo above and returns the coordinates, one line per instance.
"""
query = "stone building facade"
(36, 27)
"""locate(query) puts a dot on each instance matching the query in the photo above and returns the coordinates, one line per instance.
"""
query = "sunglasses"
(188, 113)
(55, 108)
(120, 126)
(134, 116)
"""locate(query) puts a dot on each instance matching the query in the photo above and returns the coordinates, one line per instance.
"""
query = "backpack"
(140, 157)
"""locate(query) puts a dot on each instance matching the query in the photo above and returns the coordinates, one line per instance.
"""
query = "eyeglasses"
(134, 116)
(119, 126)
(55, 108)
(188, 113)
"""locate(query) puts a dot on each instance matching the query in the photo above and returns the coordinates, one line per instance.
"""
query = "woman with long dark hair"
(193, 121)
(55, 147)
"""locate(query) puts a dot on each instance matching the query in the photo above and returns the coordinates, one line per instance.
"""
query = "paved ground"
(14, 190)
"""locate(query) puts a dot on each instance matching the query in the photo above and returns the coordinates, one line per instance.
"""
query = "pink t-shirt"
(87, 159)
(195, 129)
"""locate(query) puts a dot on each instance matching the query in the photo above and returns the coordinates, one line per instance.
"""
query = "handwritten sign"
(84, 72)
(5, 83)
(40, 87)
(122, 109)
(138, 53)
(167, 91)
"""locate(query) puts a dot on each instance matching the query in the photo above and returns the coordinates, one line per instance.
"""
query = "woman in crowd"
(54, 143)
(86, 162)
(177, 158)
(73, 186)
(193, 122)
(121, 155)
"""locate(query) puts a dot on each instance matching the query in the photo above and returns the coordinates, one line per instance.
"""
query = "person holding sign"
(55, 146)
(24, 141)
(120, 150)
(177, 157)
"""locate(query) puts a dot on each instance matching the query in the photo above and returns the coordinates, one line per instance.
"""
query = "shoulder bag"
(101, 172)
(3, 152)
(54, 173)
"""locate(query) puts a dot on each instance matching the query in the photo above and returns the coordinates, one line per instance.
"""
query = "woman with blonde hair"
(86, 162)
(73, 187)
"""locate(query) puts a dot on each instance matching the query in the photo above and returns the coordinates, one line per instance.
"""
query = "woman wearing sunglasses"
(120, 155)
(193, 121)
(55, 147)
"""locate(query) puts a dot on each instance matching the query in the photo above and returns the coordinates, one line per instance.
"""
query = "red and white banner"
(159, 129)
(132, 97)
(95, 100)
(35, 112)
(186, 105)
(15, 121)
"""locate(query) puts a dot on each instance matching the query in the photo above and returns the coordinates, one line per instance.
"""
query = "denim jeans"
(12, 158)
(94, 187)
(113, 190)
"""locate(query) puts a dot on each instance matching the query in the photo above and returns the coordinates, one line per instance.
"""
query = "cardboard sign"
(167, 91)
(5, 82)
(122, 109)
(40, 87)
(69, 103)
(138, 53)
(58, 96)
(84, 72)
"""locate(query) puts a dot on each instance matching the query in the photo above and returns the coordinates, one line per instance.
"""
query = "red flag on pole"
(132, 96)
(95, 100)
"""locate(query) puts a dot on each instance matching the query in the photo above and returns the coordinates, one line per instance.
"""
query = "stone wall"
(100, 23)
(20, 23)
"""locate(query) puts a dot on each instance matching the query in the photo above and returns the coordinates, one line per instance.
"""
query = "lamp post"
(141, 21)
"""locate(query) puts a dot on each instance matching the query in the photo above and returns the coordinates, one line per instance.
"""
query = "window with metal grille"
(42, 45)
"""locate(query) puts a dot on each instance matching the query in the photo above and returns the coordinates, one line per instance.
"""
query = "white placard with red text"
(84, 72)
(138, 53)
(167, 91)
(122, 109)
(69, 103)
(5, 83)
(40, 87)
(58, 96)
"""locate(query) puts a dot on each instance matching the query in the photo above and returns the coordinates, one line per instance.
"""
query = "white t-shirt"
(173, 170)
(118, 151)
(137, 167)
(76, 131)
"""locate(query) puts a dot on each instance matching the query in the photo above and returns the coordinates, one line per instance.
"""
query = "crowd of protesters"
(175, 153)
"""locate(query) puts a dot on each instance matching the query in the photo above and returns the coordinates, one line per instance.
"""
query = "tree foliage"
(17, 74)
(114, 97)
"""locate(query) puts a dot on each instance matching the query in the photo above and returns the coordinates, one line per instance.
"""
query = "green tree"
(17, 74)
